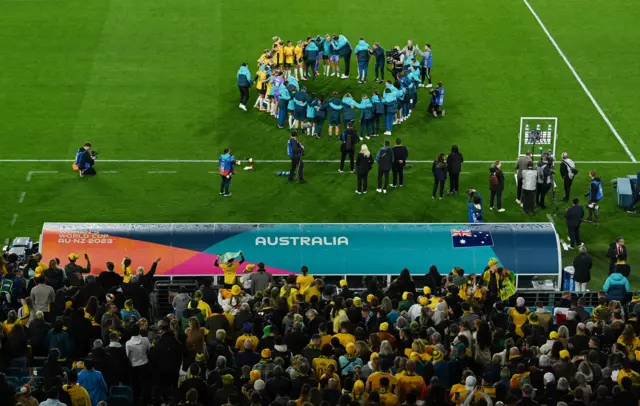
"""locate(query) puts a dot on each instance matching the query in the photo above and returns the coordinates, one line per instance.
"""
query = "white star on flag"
(463, 242)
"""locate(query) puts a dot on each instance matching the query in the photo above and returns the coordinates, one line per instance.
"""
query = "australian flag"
(471, 238)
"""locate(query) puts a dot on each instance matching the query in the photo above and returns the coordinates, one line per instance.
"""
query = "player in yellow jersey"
(289, 60)
(299, 61)
(387, 397)
(229, 268)
(262, 78)
(411, 382)
(374, 381)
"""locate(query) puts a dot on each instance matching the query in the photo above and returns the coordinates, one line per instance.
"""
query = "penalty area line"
(264, 161)
(580, 82)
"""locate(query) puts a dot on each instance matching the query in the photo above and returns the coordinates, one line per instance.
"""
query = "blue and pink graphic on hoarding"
(327, 249)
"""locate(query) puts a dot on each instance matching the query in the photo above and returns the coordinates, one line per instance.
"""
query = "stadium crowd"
(462, 339)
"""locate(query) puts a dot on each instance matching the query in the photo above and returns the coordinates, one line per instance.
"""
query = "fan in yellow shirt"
(313, 290)
(324, 337)
(519, 315)
(127, 271)
(230, 268)
(374, 382)
(320, 365)
(330, 373)
(79, 395)
(304, 280)
(344, 336)
(202, 305)
(387, 398)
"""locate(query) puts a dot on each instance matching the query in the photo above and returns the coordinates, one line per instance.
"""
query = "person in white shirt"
(137, 349)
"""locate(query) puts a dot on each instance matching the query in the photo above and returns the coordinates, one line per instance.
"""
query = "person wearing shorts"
(326, 54)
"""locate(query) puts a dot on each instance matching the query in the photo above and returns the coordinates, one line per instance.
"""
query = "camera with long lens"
(393, 56)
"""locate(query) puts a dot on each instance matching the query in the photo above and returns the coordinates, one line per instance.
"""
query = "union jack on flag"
(469, 238)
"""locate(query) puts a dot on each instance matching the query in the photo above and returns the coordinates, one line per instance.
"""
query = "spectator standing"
(567, 172)
(88, 382)
(616, 287)
(43, 296)
(496, 185)
(73, 268)
(261, 280)
(529, 188)
(439, 170)
(137, 349)
(400, 155)
(364, 163)
(521, 165)
(616, 250)
(582, 269)
(454, 167)
(109, 279)
(573, 216)
(385, 161)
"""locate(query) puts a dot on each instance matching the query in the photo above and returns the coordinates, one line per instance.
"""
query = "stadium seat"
(122, 391)
(15, 381)
(624, 191)
(17, 372)
(119, 401)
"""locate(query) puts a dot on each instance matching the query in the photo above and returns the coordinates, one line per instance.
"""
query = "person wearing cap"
(72, 268)
(129, 311)
(408, 300)
(564, 368)
(200, 304)
(345, 292)
(247, 334)
(533, 330)
(384, 334)
(266, 365)
(229, 269)
(349, 360)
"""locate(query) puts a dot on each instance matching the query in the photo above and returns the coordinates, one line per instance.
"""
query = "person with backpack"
(439, 169)
(364, 162)
(594, 194)
(544, 180)
(385, 161)
(567, 172)
(12, 287)
(496, 185)
(349, 139)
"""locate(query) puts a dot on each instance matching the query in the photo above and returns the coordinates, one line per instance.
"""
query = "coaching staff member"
(400, 155)
(348, 147)
(574, 216)
(295, 151)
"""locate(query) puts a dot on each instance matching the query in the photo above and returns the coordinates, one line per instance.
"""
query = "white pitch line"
(584, 87)
(550, 217)
(277, 161)
(31, 173)
(162, 171)
(14, 219)
(103, 172)
(22, 196)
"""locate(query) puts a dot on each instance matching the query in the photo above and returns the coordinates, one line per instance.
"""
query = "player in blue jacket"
(283, 102)
(366, 116)
(378, 111)
(343, 47)
(362, 53)
(311, 114)
(389, 101)
(426, 63)
(320, 116)
(310, 54)
(326, 55)
(335, 110)
(378, 53)
(226, 163)
(244, 83)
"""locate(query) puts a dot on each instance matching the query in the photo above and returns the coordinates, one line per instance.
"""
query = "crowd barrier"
(530, 250)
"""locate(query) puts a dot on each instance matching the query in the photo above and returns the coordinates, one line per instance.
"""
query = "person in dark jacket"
(295, 151)
(349, 140)
(261, 280)
(72, 267)
(616, 250)
(209, 295)
(280, 384)
(454, 167)
(439, 169)
(109, 279)
(582, 269)
(166, 356)
(433, 280)
(248, 356)
(364, 163)
(496, 185)
(244, 83)
(404, 283)
(595, 195)
(119, 359)
(385, 161)
(136, 292)
(400, 153)
(37, 335)
(573, 217)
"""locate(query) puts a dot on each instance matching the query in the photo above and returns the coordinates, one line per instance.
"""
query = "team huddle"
(282, 67)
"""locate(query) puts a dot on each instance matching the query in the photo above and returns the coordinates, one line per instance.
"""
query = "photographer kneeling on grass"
(85, 160)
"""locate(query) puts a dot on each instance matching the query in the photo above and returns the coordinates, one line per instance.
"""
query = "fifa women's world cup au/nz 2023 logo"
(302, 241)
